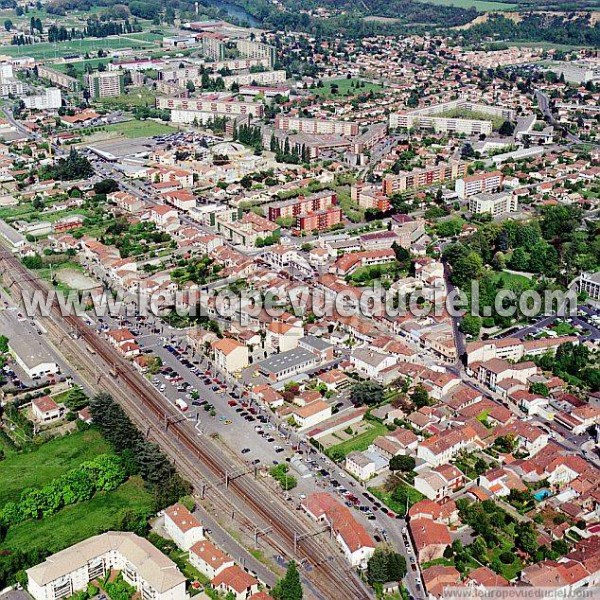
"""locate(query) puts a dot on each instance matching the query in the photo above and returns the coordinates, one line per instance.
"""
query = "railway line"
(330, 576)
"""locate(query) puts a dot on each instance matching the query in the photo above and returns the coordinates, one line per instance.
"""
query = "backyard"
(358, 442)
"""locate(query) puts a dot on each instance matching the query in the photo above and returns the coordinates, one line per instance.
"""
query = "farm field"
(50, 460)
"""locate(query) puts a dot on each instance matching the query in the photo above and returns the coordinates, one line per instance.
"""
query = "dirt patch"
(76, 280)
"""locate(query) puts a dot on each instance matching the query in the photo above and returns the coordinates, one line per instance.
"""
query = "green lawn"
(47, 50)
(80, 65)
(510, 279)
(345, 86)
(414, 496)
(463, 113)
(480, 5)
(80, 521)
(50, 460)
(142, 96)
(136, 129)
(360, 442)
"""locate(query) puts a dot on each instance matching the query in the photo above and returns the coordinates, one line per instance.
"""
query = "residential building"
(370, 362)
(208, 106)
(45, 409)
(208, 559)
(182, 526)
(311, 414)
(234, 580)
(58, 78)
(495, 204)
(282, 337)
(230, 355)
(430, 538)
(428, 176)
(142, 565)
(50, 99)
(316, 126)
(482, 183)
(105, 84)
(590, 284)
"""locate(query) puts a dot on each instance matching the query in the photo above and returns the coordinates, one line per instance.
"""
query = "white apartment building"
(495, 204)
(590, 283)
(185, 110)
(50, 99)
(9, 85)
(432, 117)
(316, 126)
(143, 566)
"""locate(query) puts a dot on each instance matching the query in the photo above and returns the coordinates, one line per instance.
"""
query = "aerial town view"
(299, 299)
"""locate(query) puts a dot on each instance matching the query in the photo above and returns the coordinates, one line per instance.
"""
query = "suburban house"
(208, 559)
(234, 580)
(45, 409)
(182, 526)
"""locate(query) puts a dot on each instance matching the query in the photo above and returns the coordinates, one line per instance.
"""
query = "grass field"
(47, 50)
(52, 459)
(480, 5)
(138, 97)
(80, 521)
(346, 87)
(511, 279)
(360, 442)
(136, 129)
(80, 65)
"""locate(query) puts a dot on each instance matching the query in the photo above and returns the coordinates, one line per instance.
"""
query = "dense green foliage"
(289, 587)
(138, 455)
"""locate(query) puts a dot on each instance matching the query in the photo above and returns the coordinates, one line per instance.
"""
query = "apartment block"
(315, 126)
(50, 99)
(213, 45)
(368, 196)
(322, 219)
(302, 204)
(9, 84)
(253, 49)
(263, 78)
(105, 84)
(184, 110)
(436, 117)
(495, 204)
(58, 78)
(477, 184)
(417, 178)
(151, 573)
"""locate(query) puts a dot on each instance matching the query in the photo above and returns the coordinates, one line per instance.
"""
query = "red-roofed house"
(182, 526)
(208, 559)
(236, 581)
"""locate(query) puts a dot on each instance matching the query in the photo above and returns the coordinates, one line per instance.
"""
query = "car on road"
(245, 450)
(232, 403)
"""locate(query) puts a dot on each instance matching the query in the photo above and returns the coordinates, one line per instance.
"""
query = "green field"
(50, 460)
(360, 442)
(80, 65)
(142, 96)
(480, 5)
(511, 279)
(346, 87)
(80, 521)
(136, 129)
(47, 50)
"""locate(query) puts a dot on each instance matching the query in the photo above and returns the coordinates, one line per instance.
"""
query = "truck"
(181, 404)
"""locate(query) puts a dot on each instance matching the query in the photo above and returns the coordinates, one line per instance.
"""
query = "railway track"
(331, 577)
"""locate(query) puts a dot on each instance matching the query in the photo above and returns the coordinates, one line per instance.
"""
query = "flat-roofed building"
(495, 204)
(481, 183)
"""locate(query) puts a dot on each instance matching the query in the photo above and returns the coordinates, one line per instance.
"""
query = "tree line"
(139, 456)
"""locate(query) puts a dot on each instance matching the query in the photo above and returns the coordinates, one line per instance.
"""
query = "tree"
(366, 392)
(191, 88)
(402, 463)
(289, 587)
(507, 128)
(540, 389)
(526, 538)
(471, 325)
(420, 397)
(385, 565)
(8, 24)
